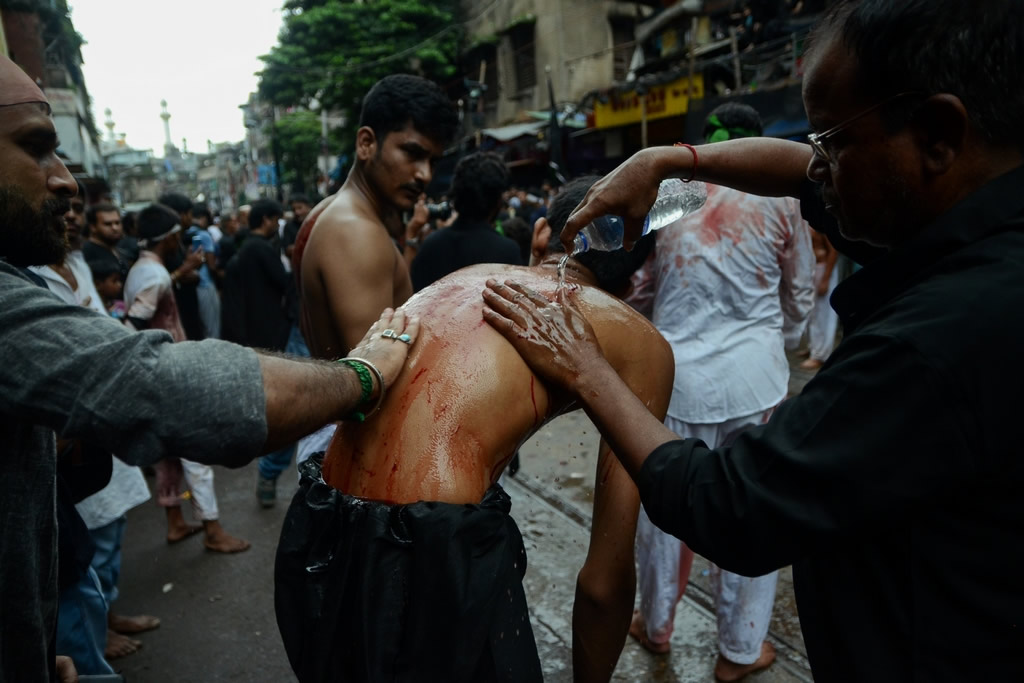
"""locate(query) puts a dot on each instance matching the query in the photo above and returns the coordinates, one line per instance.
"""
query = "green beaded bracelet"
(365, 379)
(363, 369)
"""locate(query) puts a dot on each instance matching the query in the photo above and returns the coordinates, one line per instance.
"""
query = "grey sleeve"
(137, 393)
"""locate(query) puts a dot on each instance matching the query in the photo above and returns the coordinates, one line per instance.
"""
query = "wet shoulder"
(464, 288)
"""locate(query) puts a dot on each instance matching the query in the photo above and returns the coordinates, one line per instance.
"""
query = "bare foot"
(180, 533)
(811, 364)
(727, 671)
(638, 629)
(803, 353)
(138, 624)
(120, 646)
(220, 541)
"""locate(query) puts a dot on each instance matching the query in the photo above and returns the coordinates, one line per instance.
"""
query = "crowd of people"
(368, 337)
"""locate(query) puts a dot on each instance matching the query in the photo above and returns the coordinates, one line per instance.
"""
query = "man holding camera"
(477, 187)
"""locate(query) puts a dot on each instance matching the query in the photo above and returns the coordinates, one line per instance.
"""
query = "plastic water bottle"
(675, 200)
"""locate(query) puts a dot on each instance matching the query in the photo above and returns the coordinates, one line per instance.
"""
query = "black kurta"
(465, 243)
(893, 483)
(254, 306)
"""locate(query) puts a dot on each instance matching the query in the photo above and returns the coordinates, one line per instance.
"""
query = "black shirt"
(290, 232)
(893, 483)
(97, 253)
(255, 285)
(465, 243)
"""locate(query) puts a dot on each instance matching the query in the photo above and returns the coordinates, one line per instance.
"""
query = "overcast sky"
(199, 55)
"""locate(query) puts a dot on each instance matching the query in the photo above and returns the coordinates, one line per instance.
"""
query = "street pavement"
(217, 610)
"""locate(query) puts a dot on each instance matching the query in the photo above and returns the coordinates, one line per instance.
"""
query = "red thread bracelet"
(693, 150)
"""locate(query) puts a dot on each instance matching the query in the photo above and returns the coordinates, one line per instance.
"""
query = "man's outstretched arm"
(143, 397)
(779, 491)
(304, 395)
(762, 166)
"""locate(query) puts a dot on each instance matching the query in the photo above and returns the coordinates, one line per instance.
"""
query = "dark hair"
(612, 268)
(939, 46)
(301, 198)
(396, 100)
(740, 120)
(520, 232)
(102, 268)
(90, 213)
(201, 210)
(478, 183)
(128, 223)
(263, 208)
(155, 220)
(177, 202)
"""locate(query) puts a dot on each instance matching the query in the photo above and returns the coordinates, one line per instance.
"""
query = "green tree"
(298, 140)
(334, 50)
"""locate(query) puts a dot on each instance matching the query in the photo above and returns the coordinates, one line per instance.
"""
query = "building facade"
(39, 37)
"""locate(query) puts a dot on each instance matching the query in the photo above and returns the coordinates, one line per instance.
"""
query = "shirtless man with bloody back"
(403, 563)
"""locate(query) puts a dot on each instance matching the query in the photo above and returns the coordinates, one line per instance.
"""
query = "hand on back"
(388, 353)
(553, 337)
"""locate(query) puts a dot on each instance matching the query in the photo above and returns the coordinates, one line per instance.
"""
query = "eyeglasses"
(818, 140)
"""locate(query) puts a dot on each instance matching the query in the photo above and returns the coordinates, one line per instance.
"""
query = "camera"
(439, 212)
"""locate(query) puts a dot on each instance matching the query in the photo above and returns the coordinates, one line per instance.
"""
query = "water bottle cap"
(580, 244)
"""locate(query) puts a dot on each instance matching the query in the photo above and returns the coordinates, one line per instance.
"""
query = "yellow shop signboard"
(670, 99)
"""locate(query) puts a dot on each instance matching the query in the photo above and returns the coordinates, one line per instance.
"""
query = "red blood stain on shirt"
(762, 279)
(721, 221)
(679, 261)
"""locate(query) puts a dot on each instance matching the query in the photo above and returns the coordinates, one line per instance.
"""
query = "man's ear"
(943, 127)
(539, 243)
(366, 143)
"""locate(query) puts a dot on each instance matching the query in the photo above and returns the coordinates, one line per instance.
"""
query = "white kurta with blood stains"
(724, 278)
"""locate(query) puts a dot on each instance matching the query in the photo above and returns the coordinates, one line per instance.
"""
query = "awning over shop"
(516, 130)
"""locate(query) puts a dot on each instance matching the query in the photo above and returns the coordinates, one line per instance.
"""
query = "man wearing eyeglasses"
(893, 482)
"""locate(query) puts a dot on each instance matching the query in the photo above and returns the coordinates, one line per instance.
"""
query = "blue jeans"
(82, 625)
(297, 343)
(273, 464)
(106, 561)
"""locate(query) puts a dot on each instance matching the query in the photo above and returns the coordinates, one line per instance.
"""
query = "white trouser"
(743, 605)
(314, 443)
(821, 328)
(200, 483)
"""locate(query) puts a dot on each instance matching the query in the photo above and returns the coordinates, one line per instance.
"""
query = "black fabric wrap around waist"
(428, 591)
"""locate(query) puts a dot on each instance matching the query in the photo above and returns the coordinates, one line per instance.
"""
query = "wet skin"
(465, 400)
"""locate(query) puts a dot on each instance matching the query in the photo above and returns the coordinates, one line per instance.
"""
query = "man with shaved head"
(65, 372)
